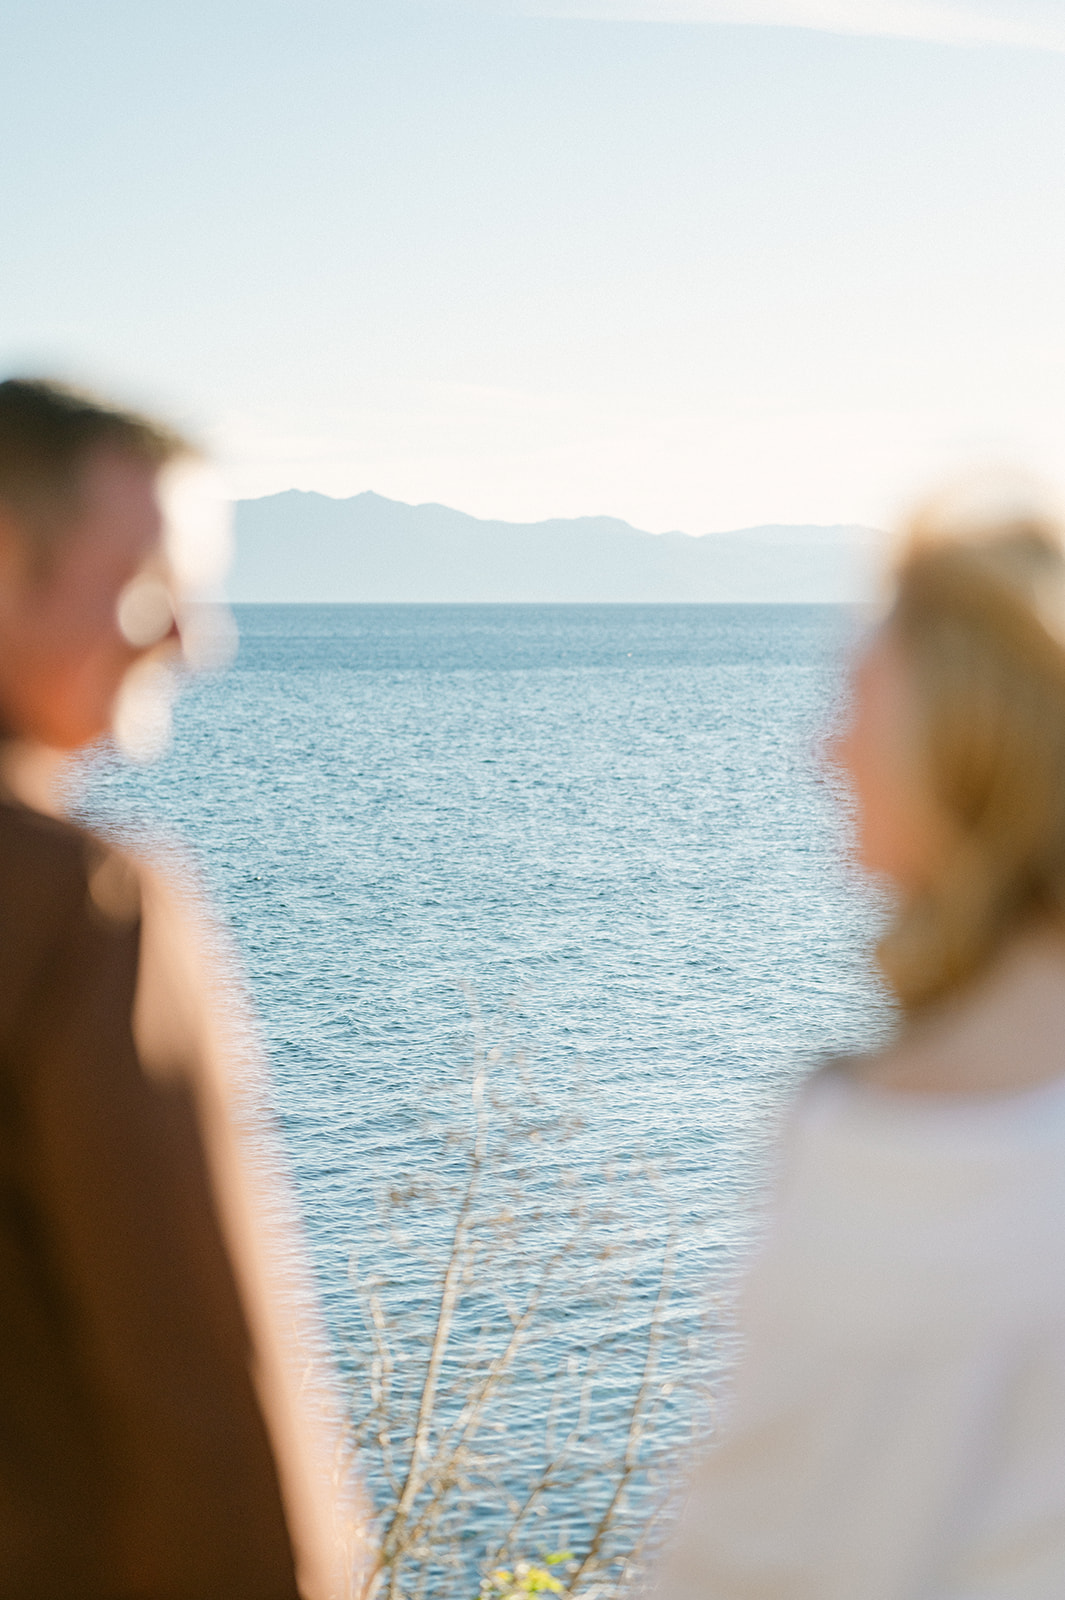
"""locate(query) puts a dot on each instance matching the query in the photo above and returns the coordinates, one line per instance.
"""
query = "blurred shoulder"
(70, 908)
(192, 997)
(37, 850)
(56, 873)
(825, 1095)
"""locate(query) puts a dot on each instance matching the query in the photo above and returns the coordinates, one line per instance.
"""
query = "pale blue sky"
(694, 274)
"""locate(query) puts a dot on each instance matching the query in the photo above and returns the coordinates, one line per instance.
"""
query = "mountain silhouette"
(303, 546)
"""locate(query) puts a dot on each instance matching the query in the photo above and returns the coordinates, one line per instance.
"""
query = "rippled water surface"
(608, 815)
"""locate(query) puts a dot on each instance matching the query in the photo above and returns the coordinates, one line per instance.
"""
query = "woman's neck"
(1005, 1033)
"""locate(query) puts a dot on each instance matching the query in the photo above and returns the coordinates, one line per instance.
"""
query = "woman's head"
(956, 748)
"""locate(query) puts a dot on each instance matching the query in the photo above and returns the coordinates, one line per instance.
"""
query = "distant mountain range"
(301, 546)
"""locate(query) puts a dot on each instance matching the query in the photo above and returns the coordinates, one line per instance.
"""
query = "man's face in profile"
(70, 633)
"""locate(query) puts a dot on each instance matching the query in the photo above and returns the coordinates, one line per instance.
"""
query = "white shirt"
(898, 1425)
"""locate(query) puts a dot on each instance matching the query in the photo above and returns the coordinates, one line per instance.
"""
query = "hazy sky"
(698, 264)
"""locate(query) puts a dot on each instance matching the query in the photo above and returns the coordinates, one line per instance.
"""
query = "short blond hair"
(979, 615)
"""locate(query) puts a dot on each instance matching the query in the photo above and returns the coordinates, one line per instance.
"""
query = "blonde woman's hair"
(979, 617)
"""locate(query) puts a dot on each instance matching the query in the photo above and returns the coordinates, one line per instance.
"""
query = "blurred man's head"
(84, 579)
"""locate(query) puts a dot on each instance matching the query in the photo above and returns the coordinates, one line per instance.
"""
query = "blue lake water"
(604, 824)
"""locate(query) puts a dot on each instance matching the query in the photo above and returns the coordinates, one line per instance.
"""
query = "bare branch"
(636, 1420)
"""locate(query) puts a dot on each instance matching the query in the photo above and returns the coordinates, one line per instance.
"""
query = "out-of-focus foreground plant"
(526, 1578)
(524, 1371)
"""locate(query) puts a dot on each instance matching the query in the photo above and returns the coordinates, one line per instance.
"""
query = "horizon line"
(542, 605)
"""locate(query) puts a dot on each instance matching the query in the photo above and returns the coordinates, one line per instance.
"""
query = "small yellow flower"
(537, 1580)
(527, 1578)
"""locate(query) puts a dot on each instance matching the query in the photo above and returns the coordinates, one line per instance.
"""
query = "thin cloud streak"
(1032, 24)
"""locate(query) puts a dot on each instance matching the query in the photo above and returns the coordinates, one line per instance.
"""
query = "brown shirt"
(134, 1456)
